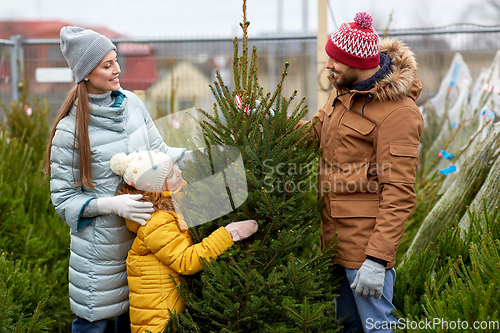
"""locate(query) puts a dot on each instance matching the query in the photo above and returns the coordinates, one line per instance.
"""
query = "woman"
(97, 120)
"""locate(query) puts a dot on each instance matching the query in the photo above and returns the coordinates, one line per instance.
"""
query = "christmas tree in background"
(277, 280)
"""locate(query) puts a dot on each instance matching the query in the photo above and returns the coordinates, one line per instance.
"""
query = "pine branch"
(244, 25)
(236, 68)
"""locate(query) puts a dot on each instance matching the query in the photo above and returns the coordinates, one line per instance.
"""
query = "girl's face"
(174, 178)
(104, 77)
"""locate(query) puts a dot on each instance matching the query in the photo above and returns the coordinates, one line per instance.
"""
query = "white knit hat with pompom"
(145, 170)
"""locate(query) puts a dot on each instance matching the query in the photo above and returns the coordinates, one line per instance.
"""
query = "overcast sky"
(199, 18)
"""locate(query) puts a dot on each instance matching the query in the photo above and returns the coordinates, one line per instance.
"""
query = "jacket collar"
(110, 112)
(119, 98)
(402, 81)
(385, 66)
(178, 192)
(179, 195)
(109, 117)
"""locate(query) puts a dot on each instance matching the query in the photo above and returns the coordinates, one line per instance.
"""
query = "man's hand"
(370, 280)
(127, 206)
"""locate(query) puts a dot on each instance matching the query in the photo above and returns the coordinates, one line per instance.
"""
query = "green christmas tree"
(278, 280)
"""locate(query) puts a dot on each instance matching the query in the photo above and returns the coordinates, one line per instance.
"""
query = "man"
(369, 131)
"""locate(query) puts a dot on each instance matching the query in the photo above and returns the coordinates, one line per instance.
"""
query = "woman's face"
(174, 178)
(104, 77)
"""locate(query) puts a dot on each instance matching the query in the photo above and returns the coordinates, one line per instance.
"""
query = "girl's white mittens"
(241, 230)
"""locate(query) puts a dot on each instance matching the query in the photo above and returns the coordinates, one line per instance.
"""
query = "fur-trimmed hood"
(402, 80)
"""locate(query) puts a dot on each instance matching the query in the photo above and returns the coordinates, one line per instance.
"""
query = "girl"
(163, 248)
(97, 120)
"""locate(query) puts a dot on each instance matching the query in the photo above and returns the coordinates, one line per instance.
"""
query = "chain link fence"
(173, 75)
(5, 78)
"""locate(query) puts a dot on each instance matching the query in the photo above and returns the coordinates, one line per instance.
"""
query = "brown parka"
(369, 161)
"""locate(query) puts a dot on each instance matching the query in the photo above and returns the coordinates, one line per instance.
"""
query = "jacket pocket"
(403, 149)
(403, 162)
(355, 139)
(354, 208)
(361, 125)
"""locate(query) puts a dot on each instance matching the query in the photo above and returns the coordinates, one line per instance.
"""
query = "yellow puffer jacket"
(161, 250)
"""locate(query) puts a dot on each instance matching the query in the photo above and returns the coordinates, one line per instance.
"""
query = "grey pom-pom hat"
(83, 49)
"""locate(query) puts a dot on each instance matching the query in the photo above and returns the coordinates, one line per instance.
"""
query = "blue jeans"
(368, 314)
(80, 325)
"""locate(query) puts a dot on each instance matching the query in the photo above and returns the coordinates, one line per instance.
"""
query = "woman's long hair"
(159, 201)
(83, 112)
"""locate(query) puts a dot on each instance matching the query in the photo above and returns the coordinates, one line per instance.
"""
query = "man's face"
(343, 75)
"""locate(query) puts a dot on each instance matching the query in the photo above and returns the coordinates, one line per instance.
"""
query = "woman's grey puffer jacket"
(97, 273)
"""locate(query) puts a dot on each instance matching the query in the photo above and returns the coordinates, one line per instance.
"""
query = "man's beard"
(347, 78)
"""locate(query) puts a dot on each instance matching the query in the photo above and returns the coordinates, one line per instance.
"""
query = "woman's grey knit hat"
(83, 50)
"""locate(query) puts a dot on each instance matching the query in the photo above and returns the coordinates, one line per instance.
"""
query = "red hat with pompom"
(355, 44)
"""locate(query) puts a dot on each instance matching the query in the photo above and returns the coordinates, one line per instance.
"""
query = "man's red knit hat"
(355, 44)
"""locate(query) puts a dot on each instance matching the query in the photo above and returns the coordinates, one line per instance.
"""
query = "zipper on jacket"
(368, 99)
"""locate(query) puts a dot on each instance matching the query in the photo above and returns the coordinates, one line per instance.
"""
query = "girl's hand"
(241, 230)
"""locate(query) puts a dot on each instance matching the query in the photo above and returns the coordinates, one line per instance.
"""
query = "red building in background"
(137, 60)
(138, 66)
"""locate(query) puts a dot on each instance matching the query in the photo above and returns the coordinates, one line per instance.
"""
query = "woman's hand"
(127, 206)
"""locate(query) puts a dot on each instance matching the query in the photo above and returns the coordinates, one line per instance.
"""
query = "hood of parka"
(401, 80)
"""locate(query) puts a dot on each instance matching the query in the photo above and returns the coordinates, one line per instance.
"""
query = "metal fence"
(175, 74)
